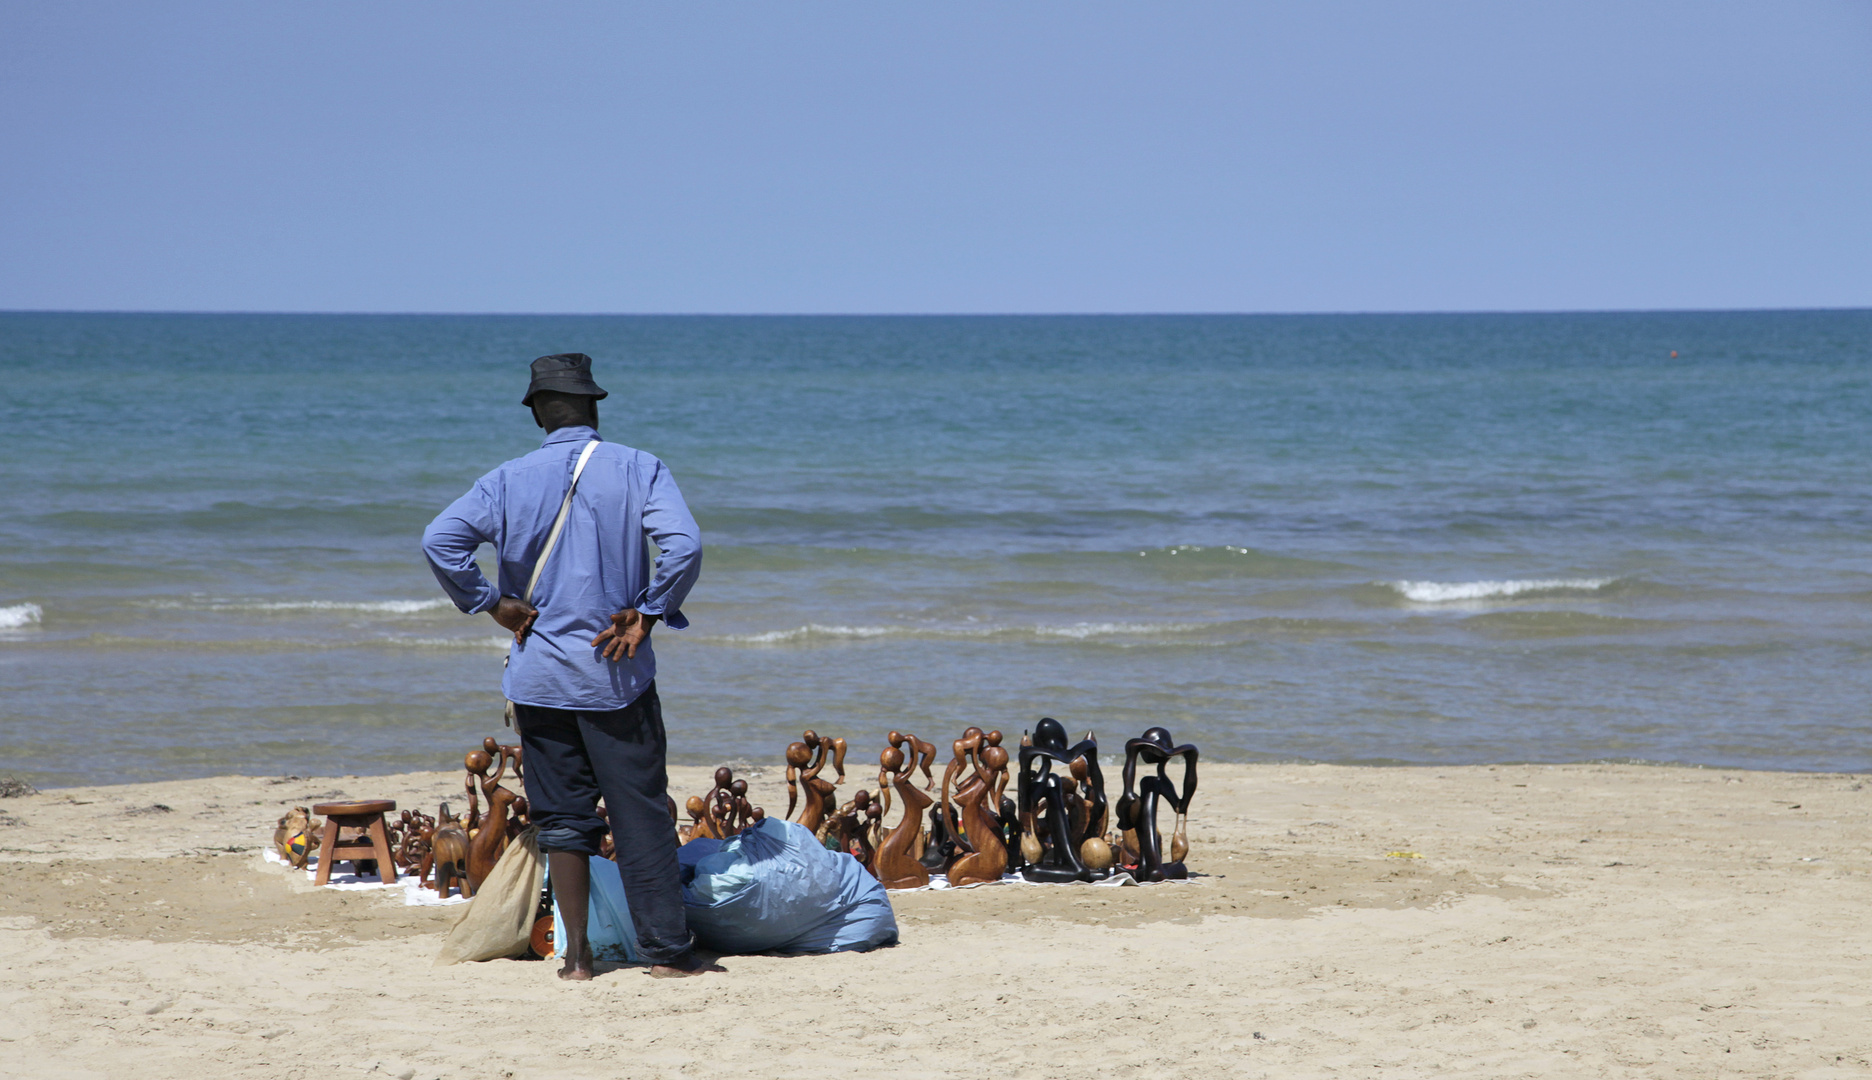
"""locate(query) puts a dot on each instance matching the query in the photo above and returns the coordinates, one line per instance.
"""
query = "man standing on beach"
(580, 671)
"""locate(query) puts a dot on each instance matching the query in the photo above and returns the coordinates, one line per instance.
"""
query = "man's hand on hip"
(629, 628)
(516, 615)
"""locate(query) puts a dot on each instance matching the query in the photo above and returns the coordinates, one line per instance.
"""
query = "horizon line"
(935, 314)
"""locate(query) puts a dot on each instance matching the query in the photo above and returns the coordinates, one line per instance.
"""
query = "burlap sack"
(499, 921)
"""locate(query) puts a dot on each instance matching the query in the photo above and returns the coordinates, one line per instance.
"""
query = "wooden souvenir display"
(981, 829)
(805, 759)
(723, 812)
(491, 839)
(1137, 809)
(1060, 811)
(896, 860)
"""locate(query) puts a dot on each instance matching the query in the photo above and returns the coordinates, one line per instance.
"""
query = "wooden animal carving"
(447, 862)
(805, 760)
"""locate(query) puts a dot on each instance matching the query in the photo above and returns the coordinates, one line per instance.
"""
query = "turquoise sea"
(1383, 539)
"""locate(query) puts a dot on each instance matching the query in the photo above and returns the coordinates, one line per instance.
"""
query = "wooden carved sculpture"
(987, 859)
(414, 832)
(946, 843)
(448, 854)
(723, 813)
(297, 836)
(805, 759)
(1062, 813)
(896, 860)
(490, 840)
(1137, 809)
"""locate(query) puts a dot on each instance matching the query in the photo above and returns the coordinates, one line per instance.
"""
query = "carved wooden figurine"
(896, 860)
(414, 833)
(805, 759)
(856, 827)
(1061, 812)
(297, 836)
(723, 812)
(1137, 809)
(987, 858)
(448, 854)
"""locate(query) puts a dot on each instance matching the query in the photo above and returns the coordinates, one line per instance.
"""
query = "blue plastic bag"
(774, 888)
(608, 925)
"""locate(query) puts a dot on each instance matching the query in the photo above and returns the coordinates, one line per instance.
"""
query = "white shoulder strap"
(552, 538)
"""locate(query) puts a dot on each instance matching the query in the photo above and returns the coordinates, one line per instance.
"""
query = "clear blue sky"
(953, 157)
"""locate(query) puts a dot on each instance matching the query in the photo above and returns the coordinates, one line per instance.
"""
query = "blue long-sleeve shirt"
(598, 568)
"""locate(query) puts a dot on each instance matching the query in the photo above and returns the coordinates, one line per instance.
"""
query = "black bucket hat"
(568, 373)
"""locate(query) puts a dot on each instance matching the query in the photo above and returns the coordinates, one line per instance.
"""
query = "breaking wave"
(372, 607)
(20, 615)
(1440, 592)
(1075, 631)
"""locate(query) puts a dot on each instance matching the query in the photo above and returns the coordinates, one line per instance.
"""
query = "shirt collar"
(575, 433)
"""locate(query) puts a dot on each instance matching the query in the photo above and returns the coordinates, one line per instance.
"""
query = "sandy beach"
(1569, 920)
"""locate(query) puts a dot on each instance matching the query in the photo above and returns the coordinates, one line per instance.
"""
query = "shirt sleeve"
(449, 544)
(668, 524)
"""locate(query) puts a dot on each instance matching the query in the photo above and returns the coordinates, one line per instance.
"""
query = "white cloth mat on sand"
(938, 881)
(414, 895)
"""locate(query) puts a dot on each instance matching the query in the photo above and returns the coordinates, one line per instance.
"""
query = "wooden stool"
(366, 816)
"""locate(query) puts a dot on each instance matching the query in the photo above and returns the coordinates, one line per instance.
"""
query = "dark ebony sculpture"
(1137, 809)
(1061, 811)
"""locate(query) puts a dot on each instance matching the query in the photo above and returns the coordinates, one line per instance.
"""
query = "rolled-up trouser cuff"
(578, 839)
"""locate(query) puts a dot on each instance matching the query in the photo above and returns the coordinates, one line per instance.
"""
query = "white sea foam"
(1110, 629)
(377, 607)
(20, 615)
(1077, 631)
(371, 607)
(499, 641)
(815, 630)
(1441, 592)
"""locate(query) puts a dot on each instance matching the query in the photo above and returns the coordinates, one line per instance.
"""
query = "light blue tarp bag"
(608, 925)
(776, 889)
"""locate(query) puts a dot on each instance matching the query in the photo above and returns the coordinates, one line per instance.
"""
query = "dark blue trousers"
(574, 757)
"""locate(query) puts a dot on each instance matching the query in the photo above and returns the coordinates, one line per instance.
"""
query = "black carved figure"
(1137, 808)
(1059, 809)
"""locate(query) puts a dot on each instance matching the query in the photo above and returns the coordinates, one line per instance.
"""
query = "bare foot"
(578, 968)
(690, 963)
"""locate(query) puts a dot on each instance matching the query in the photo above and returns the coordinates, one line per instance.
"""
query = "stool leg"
(380, 839)
(326, 845)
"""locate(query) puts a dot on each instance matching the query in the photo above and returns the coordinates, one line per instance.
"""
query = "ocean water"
(1383, 539)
